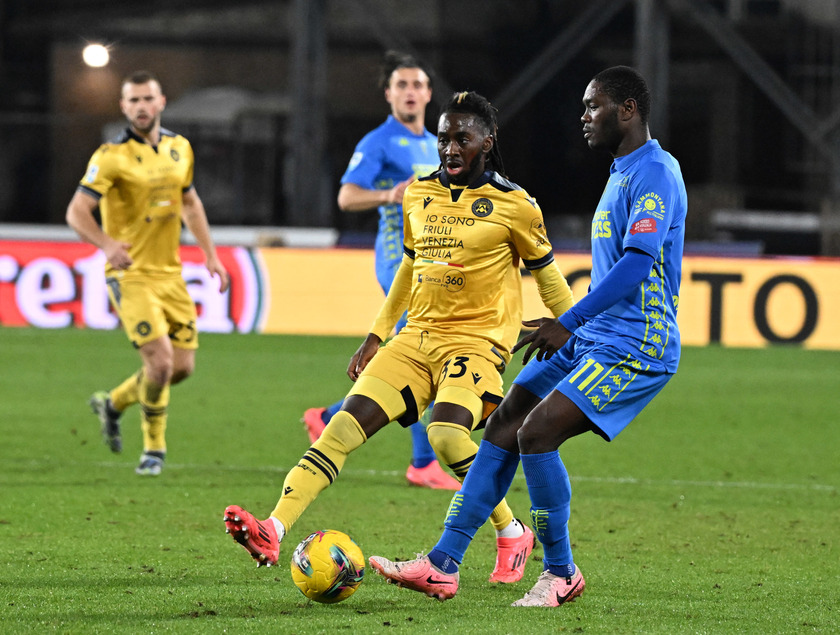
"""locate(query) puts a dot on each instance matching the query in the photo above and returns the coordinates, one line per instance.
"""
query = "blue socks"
(551, 494)
(329, 413)
(563, 571)
(421, 450)
(443, 562)
(487, 482)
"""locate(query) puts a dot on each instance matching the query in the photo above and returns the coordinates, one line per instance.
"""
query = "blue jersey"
(643, 206)
(385, 156)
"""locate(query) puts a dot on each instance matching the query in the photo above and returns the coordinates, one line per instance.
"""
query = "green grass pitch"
(716, 511)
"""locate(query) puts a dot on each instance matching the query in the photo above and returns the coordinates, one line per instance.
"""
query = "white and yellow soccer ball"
(328, 566)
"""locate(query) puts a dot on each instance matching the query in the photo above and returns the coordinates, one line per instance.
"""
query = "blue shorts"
(610, 386)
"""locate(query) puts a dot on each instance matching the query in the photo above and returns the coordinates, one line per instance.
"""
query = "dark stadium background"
(274, 95)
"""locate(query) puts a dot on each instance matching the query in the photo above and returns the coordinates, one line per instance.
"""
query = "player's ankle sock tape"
(562, 570)
(443, 561)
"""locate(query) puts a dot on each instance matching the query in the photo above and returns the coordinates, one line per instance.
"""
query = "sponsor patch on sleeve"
(93, 170)
(355, 160)
(643, 226)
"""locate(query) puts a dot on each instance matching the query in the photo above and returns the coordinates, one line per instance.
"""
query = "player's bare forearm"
(549, 338)
(353, 198)
(363, 355)
(195, 218)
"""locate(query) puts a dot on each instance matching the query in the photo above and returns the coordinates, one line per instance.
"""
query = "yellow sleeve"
(555, 292)
(99, 176)
(396, 301)
(190, 176)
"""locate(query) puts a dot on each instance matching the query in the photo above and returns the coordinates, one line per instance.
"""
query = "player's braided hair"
(396, 59)
(472, 103)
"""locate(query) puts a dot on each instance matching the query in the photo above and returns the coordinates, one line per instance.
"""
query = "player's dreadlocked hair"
(622, 83)
(472, 103)
(396, 59)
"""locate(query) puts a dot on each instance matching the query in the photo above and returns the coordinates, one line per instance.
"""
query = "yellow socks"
(154, 401)
(127, 393)
(318, 467)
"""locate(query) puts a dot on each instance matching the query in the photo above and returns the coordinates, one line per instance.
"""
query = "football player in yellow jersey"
(384, 162)
(142, 184)
(466, 230)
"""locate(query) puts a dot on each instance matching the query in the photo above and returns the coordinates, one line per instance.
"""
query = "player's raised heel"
(418, 575)
(511, 557)
(553, 590)
(259, 538)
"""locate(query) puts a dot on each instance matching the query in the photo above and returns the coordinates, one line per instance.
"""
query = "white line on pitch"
(618, 480)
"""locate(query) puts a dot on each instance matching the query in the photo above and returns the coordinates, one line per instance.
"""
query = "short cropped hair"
(141, 77)
(622, 83)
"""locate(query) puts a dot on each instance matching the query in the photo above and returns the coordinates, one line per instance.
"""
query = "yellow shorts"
(150, 308)
(415, 368)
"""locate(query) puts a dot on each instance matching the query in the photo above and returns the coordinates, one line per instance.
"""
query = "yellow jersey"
(140, 192)
(466, 244)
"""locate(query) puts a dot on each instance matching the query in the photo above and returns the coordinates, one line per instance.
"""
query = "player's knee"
(180, 373)
(501, 432)
(531, 439)
(158, 363)
(159, 374)
(446, 440)
(343, 434)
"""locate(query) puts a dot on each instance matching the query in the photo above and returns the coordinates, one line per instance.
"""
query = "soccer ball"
(328, 566)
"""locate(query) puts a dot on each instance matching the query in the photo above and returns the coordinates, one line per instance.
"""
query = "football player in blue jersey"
(595, 367)
(384, 162)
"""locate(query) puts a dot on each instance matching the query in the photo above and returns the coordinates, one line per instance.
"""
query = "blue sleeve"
(366, 163)
(630, 270)
(655, 195)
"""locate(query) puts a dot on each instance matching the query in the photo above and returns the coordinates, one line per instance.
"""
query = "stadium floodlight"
(96, 55)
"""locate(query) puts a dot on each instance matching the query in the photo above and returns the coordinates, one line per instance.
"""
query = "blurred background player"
(467, 228)
(596, 367)
(384, 162)
(143, 184)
